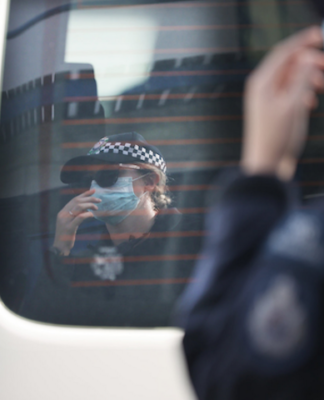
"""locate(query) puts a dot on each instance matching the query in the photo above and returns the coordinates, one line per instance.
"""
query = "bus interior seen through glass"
(173, 72)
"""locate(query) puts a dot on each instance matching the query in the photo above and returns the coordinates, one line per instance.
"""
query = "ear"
(151, 181)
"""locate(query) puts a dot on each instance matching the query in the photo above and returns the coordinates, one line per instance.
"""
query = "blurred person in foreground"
(254, 317)
(116, 258)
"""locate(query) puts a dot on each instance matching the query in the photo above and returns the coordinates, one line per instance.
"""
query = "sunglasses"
(107, 177)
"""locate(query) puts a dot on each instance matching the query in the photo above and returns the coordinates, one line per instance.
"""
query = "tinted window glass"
(173, 72)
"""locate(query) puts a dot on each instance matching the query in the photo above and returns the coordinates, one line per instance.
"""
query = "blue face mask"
(116, 199)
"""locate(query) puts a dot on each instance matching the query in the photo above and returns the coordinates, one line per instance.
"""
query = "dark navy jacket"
(134, 284)
(253, 318)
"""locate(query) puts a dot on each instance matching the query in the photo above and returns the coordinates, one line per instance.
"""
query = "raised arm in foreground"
(252, 316)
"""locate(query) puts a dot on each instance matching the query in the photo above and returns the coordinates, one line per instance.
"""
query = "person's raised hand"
(279, 97)
(70, 217)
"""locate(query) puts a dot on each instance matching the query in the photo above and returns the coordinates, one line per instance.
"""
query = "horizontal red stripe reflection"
(133, 282)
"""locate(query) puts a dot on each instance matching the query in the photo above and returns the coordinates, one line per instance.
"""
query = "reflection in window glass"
(115, 119)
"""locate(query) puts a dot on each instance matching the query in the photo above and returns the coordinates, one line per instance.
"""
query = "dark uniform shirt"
(253, 318)
(133, 284)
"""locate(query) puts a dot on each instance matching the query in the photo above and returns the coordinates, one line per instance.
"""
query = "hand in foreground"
(278, 99)
(70, 217)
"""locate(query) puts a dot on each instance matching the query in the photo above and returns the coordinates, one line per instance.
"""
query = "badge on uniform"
(107, 263)
(277, 324)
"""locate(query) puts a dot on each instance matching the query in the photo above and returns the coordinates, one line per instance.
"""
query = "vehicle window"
(116, 117)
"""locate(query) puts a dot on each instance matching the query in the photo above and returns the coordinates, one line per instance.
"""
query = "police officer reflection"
(114, 260)
(124, 195)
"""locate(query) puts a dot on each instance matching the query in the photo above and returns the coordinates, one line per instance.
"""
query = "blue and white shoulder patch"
(277, 323)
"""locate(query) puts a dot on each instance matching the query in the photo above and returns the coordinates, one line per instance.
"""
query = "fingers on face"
(86, 193)
(85, 206)
(89, 200)
(78, 209)
(80, 218)
(81, 200)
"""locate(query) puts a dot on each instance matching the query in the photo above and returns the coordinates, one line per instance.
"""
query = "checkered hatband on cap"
(128, 149)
